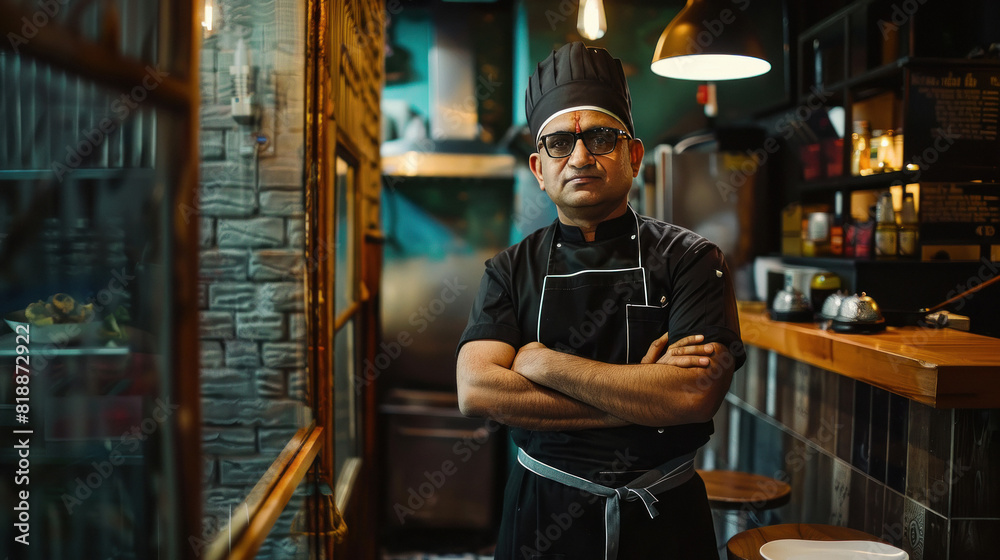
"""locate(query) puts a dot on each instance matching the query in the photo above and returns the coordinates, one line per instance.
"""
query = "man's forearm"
(647, 394)
(493, 391)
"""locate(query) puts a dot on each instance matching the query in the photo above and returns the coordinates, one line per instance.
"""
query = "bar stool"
(744, 491)
(743, 495)
(746, 545)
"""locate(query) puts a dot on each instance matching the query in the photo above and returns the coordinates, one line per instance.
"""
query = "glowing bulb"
(207, 22)
(591, 23)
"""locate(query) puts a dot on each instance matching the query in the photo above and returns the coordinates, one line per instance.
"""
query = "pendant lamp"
(591, 21)
(709, 41)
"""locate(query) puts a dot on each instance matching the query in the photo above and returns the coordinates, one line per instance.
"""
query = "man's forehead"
(580, 120)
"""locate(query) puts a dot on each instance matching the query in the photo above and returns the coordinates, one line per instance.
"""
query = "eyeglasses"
(598, 141)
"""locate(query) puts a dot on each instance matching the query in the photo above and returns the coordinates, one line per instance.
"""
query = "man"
(605, 341)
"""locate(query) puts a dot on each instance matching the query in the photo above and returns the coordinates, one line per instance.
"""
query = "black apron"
(604, 315)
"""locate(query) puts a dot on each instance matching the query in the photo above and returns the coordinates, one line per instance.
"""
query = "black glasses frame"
(584, 135)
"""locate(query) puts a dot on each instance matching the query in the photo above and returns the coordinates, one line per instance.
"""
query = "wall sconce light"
(242, 103)
(208, 20)
(591, 22)
(708, 42)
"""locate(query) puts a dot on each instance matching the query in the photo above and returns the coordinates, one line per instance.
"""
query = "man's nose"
(581, 156)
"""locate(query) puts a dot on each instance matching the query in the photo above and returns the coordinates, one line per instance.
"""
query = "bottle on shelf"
(873, 148)
(897, 140)
(886, 230)
(886, 161)
(837, 226)
(863, 235)
(909, 229)
(860, 150)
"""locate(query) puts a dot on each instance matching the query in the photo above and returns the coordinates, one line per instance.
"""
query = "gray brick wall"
(251, 292)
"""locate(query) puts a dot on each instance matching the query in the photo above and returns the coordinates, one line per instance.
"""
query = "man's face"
(582, 185)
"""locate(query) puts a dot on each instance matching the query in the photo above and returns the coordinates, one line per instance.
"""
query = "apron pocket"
(645, 323)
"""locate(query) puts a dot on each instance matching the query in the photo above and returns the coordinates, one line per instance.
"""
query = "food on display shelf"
(59, 309)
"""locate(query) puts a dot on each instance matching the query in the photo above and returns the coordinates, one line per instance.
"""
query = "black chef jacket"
(685, 276)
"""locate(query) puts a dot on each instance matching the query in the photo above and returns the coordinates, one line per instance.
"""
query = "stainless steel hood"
(432, 164)
(452, 146)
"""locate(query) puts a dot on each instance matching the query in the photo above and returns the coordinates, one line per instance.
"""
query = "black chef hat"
(577, 77)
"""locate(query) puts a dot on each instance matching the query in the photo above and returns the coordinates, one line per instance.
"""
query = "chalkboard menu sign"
(966, 213)
(952, 117)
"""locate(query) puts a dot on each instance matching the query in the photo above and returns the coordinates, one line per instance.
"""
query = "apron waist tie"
(669, 475)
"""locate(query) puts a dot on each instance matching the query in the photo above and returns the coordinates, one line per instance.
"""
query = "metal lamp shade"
(709, 41)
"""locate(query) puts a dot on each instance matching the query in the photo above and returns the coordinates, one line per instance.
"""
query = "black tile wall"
(928, 456)
(874, 507)
(756, 379)
(840, 493)
(845, 417)
(976, 470)
(799, 413)
(861, 457)
(822, 407)
(861, 442)
(879, 434)
(936, 537)
(975, 539)
(893, 531)
(858, 501)
(784, 391)
(899, 416)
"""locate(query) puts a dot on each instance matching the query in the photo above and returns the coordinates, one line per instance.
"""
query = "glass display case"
(97, 345)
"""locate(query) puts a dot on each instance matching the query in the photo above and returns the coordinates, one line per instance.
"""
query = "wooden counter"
(943, 368)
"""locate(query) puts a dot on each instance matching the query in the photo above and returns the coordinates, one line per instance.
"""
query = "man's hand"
(686, 352)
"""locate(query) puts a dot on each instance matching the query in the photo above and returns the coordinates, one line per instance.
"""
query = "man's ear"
(535, 163)
(636, 151)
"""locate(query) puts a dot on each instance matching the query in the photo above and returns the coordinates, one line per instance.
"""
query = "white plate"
(797, 549)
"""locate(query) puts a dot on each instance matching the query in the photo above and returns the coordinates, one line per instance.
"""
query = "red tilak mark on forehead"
(576, 117)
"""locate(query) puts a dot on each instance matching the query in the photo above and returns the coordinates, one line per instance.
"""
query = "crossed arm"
(541, 389)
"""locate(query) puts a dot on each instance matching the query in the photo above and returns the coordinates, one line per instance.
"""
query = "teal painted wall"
(411, 30)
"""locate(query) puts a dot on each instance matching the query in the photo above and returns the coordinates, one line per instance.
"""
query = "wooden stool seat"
(738, 490)
(746, 545)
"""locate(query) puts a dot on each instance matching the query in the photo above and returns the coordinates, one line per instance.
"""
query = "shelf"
(883, 76)
(943, 368)
(80, 173)
(889, 76)
(884, 180)
(859, 183)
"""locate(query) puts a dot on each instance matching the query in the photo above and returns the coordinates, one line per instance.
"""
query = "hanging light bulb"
(591, 22)
(208, 21)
